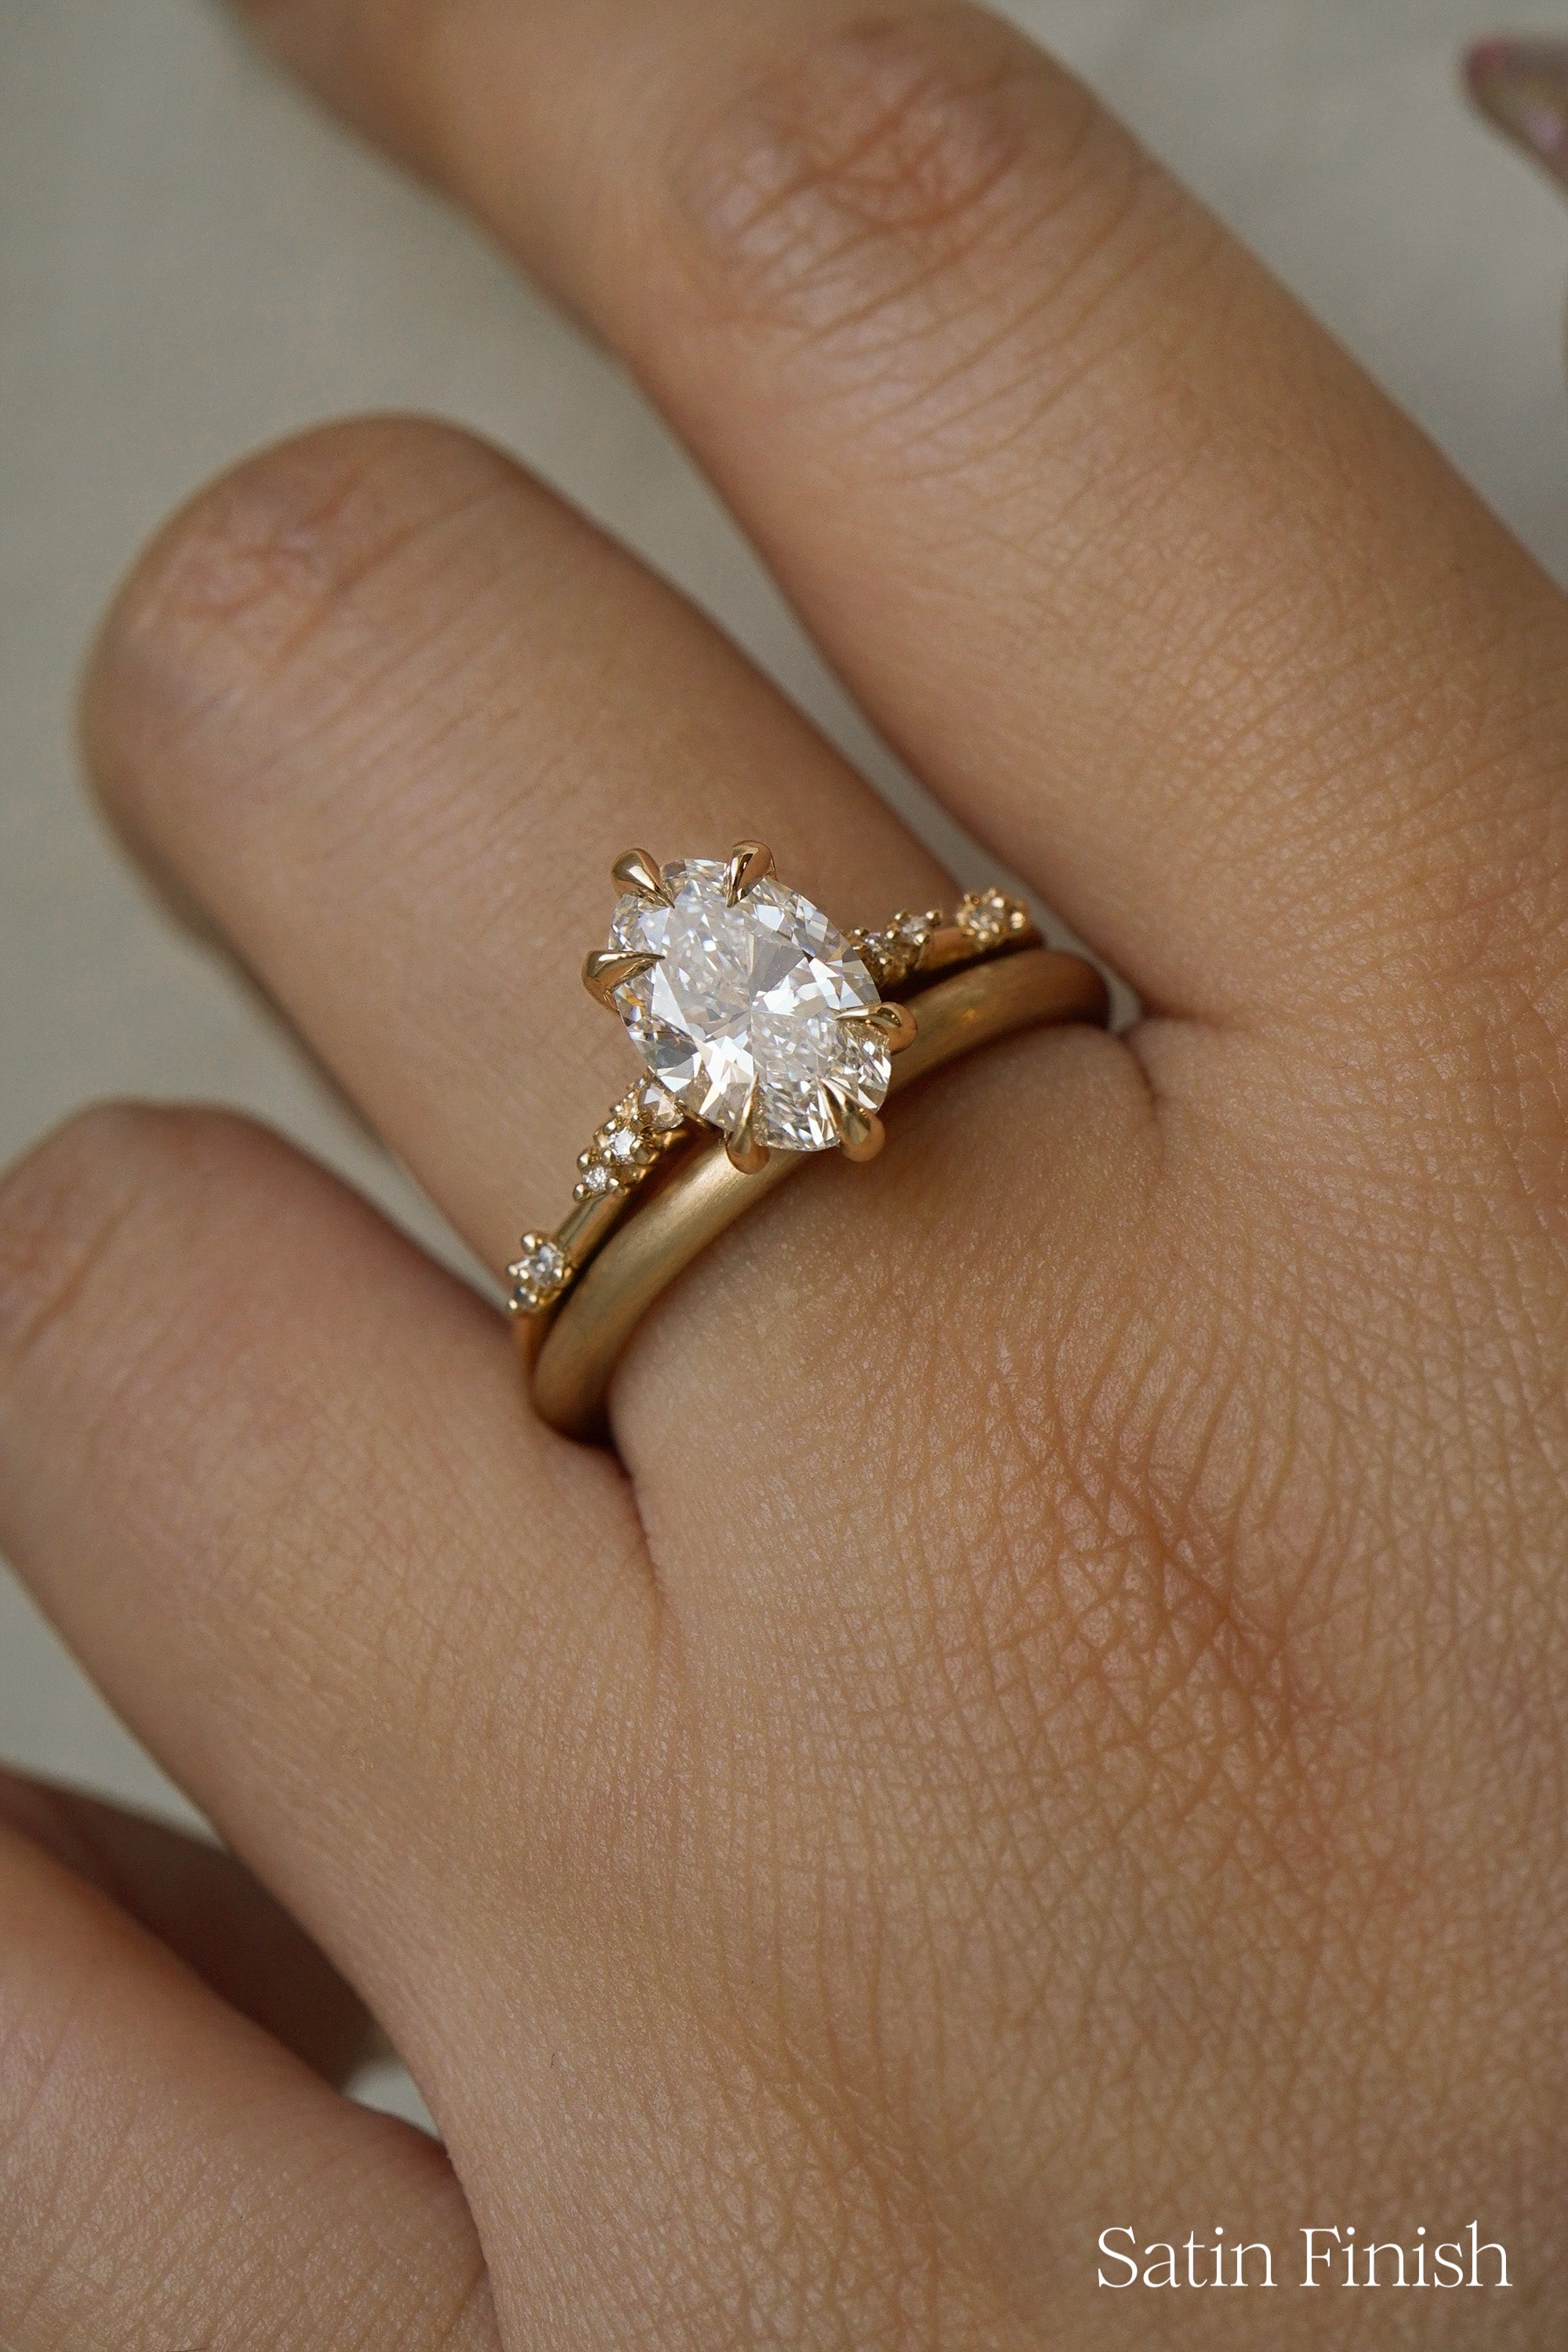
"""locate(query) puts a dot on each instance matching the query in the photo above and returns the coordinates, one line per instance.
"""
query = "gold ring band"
(575, 1343)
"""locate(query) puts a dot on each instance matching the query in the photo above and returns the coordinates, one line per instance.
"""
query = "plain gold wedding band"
(576, 1349)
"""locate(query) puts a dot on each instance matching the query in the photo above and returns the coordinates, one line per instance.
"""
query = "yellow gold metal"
(861, 1134)
(987, 922)
(744, 1144)
(575, 1343)
(749, 863)
(604, 971)
(947, 945)
(585, 1224)
(635, 871)
(894, 1024)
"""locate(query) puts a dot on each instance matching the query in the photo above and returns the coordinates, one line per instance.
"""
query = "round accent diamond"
(990, 915)
(539, 1275)
(626, 1147)
(747, 996)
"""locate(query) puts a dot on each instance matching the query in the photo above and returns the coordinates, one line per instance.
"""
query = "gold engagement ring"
(766, 1035)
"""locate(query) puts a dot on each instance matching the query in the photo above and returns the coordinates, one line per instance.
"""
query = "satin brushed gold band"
(574, 1346)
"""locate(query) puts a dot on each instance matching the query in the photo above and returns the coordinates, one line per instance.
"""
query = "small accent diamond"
(539, 1273)
(626, 1148)
(990, 917)
(892, 955)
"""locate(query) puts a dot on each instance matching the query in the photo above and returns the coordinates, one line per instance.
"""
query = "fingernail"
(1523, 84)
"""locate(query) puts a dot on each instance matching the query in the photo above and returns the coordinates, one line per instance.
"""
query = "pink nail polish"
(1523, 85)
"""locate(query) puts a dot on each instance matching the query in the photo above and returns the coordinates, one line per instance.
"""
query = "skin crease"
(1052, 1717)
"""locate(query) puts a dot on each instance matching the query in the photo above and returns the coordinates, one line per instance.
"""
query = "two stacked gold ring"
(766, 1037)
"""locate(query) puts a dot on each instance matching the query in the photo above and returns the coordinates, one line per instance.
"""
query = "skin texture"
(1052, 1716)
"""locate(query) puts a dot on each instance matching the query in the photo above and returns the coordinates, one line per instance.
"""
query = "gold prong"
(635, 871)
(605, 970)
(860, 1133)
(895, 1025)
(749, 863)
(744, 1145)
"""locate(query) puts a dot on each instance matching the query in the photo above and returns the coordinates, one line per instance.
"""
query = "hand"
(1053, 1717)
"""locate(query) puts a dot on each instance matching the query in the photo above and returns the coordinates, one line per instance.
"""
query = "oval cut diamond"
(749, 995)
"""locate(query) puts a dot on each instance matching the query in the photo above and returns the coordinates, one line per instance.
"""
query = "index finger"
(1128, 557)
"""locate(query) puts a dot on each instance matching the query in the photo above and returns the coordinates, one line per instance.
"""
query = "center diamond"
(749, 995)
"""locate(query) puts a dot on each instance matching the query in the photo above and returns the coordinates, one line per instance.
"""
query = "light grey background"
(192, 261)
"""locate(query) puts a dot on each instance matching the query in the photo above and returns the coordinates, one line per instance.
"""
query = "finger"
(1523, 85)
(169, 2175)
(269, 1471)
(390, 710)
(209, 1910)
(1112, 539)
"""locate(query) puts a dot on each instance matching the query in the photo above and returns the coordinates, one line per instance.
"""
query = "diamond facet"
(661, 1113)
(749, 995)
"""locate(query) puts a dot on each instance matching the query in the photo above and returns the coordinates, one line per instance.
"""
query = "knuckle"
(243, 584)
(882, 159)
(74, 1218)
